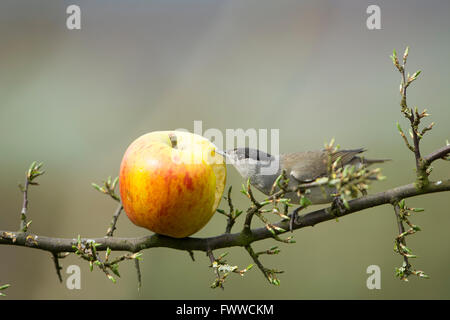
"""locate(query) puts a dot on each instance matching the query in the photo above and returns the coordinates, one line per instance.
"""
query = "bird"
(262, 169)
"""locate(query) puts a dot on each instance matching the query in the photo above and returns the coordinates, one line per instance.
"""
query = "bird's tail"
(372, 161)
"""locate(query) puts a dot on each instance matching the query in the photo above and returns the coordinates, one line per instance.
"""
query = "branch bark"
(240, 239)
(440, 153)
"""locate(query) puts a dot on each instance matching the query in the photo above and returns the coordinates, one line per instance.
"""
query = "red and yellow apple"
(171, 182)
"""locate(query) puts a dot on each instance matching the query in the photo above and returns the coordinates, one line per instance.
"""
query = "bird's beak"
(222, 153)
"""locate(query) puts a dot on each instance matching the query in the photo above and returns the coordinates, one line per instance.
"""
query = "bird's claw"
(338, 205)
(294, 217)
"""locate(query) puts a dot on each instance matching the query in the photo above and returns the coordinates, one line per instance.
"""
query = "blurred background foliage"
(76, 99)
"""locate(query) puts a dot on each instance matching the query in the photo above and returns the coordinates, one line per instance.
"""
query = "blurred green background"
(76, 99)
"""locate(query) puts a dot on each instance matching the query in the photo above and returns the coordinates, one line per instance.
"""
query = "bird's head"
(248, 161)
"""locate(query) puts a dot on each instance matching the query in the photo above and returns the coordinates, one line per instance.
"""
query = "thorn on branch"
(191, 254)
(58, 268)
(138, 272)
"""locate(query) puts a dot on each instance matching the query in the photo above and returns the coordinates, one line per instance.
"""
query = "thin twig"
(255, 259)
(23, 213)
(33, 172)
(413, 120)
(112, 226)
(231, 219)
(269, 274)
(401, 230)
(252, 210)
(210, 254)
(230, 202)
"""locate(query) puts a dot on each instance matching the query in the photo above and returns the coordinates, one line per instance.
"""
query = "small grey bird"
(301, 167)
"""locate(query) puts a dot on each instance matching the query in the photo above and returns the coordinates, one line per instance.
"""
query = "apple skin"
(163, 190)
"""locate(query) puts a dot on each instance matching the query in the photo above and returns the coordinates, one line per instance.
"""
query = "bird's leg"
(294, 217)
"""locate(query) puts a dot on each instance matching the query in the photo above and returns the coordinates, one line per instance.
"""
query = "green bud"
(5, 286)
(137, 256)
(114, 182)
(223, 255)
(110, 277)
(278, 228)
(405, 55)
(405, 248)
(304, 202)
(345, 203)
(115, 269)
(237, 213)
(96, 186)
(415, 75)
(275, 282)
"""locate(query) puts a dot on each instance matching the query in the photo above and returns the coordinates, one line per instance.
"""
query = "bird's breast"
(317, 195)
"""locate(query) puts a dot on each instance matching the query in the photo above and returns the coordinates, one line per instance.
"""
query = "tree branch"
(112, 227)
(441, 153)
(240, 239)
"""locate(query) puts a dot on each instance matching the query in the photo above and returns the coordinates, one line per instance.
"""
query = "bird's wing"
(347, 156)
(308, 167)
(315, 163)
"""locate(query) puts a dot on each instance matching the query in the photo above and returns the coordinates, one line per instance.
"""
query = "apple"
(171, 182)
